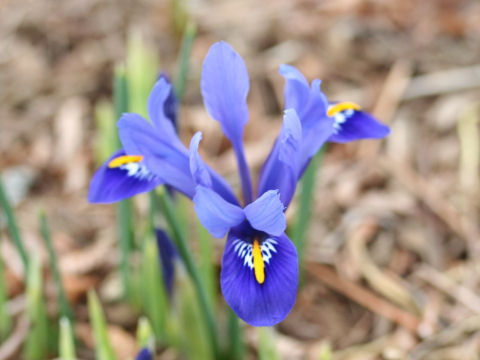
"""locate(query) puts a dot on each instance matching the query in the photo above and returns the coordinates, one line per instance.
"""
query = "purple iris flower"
(144, 354)
(259, 274)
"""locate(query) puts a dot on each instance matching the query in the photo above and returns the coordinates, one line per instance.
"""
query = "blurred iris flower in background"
(259, 275)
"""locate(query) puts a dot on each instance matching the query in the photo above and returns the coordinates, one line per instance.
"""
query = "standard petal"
(283, 160)
(157, 101)
(171, 103)
(353, 124)
(112, 184)
(266, 213)
(225, 86)
(199, 171)
(269, 302)
(311, 106)
(296, 87)
(216, 214)
(168, 255)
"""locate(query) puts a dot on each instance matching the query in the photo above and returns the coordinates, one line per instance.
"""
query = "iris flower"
(259, 274)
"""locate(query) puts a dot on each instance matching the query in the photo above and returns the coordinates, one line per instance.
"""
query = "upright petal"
(199, 171)
(317, 127)
(225, 86)
(350, 123)
(157, 100)
(216, 214)
(297, 89)
(283, 160)
(311, 106)
(121, 177)
(266, 213)
(171, 102)
(259, 278)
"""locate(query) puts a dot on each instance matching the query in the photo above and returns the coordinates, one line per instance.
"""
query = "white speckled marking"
(244, 251)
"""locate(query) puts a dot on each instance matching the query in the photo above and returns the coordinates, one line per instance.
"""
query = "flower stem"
(307, 188)
(244, 174)
(186, 255)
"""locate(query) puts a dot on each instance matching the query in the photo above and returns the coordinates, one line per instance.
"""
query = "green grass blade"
(66, 347)
(103, 348)
(37, 342)
(5, 319)
(65, 309)
(266, 344)
(182, 246)
(12, 226)
(181, 74)
(307, 188)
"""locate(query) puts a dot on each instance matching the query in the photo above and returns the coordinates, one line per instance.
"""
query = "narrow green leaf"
(124, 208)
(145, 334)
(194, 342)
(106, 135)
(185, 253)
(12, 225)
(5, 319)
(103, 348)
(120, 92)
(266, 344)
(65, 309)
(37, 342)
(207, 266)
(154, 292)
(66, 347)
(142, 71)
(178, 15)
(302, 218)
(181, 74)
(236, 346)
(325, 352)
(126, 236)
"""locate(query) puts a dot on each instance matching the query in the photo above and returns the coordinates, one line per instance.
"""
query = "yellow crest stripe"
(258, 264)
(336, 108)
(124, 159)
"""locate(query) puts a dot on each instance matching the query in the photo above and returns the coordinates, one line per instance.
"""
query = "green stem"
(307, 187)
(12, 226)
(186, 255)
